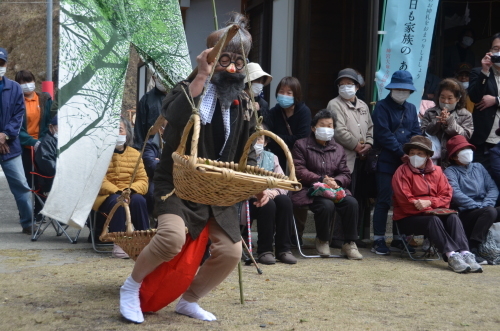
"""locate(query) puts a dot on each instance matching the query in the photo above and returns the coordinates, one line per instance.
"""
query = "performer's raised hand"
(204, 70)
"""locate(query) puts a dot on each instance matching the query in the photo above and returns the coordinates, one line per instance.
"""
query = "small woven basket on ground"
(225, 183)
(132, 242)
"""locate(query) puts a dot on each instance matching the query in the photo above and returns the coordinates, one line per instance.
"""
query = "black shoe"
(398, 246)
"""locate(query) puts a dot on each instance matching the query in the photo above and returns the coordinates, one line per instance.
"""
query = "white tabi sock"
(192, 309)
(130, 305)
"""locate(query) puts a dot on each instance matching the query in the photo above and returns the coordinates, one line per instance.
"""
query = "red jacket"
(409, 184)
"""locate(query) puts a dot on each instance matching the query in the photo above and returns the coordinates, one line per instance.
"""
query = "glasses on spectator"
(347, 84)
(495, 49)
(225, 61)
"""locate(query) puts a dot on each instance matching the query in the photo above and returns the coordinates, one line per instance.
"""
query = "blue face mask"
(285, 101)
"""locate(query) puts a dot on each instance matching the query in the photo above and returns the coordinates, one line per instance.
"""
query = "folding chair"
(91, 222)
(314, 256)
(426, 256)
(38, 195)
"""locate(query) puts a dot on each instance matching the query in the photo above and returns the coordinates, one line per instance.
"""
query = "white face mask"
(448, 106)
(465, 156)
(120, 141)
(400, 96)
(258, 148)
(28, 87)
(3, 70)
(257, 88)
(347, 92)
(56, 135)
(417, 161)
(465, 84)
(467, 41)
(160, 86)
(323, 134)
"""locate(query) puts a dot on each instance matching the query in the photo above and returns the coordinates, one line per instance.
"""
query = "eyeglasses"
(495, 49)
(225, 61)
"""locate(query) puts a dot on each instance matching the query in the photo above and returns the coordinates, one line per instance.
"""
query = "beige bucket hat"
(255, 72)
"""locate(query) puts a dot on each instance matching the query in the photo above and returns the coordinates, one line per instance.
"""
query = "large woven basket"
(132, 242)
(225, 183)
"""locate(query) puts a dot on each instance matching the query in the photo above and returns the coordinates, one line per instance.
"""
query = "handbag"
(374, 153)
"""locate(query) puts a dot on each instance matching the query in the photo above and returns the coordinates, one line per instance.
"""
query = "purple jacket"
(313, 162)
(11, 116)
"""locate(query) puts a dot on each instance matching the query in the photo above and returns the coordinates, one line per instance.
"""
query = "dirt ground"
(78, 290)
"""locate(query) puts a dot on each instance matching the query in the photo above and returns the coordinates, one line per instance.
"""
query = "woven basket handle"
(121, 201)
(194, 122)
(278, 140)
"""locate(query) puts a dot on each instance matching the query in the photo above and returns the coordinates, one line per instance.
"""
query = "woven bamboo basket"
(225, 183)
(131, 241)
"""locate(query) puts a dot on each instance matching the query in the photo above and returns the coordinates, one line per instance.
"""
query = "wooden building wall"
(329, 36)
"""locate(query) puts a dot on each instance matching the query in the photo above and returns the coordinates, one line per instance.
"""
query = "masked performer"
(226, 124)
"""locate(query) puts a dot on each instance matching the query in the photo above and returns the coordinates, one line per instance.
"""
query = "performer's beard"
(228, 86)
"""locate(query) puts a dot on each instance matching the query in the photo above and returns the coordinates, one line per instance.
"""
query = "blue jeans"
(14, 172)
(384, 201)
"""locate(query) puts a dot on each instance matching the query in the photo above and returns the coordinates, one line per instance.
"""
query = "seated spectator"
(151, 157)
(450, 118)
(35, 122)
(474, 193)
(259, 79)
(46, 156)
(419, 188)
(319, 159)
(274, 218)
(117, 179)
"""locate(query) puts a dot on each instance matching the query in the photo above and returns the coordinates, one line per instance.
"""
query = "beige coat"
(353, 124)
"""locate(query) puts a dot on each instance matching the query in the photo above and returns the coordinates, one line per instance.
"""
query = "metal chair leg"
(300, 249)
(425, 256)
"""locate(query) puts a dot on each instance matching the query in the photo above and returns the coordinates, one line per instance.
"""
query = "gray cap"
(347, 73)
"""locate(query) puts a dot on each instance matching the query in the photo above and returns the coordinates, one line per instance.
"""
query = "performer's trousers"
(224, 253)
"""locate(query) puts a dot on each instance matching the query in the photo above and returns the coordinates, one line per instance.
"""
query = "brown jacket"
(459, 123)
(177, 110)
(313, 162)
(353, 124)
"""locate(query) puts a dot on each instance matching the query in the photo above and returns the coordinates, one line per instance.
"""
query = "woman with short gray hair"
(116, 181)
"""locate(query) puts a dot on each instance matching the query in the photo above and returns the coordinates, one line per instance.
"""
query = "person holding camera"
(483, 91)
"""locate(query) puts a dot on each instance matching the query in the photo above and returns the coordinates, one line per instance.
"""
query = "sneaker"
(287, 257)
(380, 247)
(479, 259)
(470, 259)
(456, 263)
(399, 246)
(119, 253)
(266, 258)
(350, 250)
(322, 247)
(426, 245)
